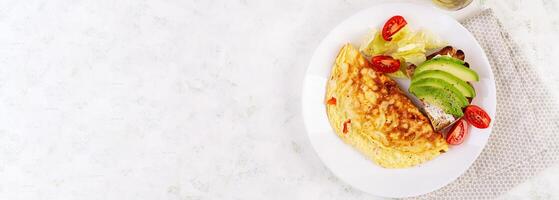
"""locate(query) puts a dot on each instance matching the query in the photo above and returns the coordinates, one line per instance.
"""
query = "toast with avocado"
(442, 85)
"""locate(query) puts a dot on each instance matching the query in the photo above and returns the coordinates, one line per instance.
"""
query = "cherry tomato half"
(385, 64)
(477, 116)
(457, 133)
(393, 25)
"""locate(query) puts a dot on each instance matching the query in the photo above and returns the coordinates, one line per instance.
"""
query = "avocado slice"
(439, 83)
(442, 98)
(449, 58)
(449, 66)
(466, 89)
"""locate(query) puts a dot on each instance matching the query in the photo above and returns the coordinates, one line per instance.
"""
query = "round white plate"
(348, 164)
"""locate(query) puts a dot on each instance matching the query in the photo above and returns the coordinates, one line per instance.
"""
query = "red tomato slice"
(393, 25)
(385, 64)
(331, 101)
(345, 128)
(477, 116)
(457, 133)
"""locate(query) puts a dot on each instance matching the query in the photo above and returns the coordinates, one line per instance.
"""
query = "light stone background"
(195, 99)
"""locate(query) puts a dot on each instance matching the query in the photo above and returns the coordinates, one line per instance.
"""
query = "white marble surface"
(195, 99)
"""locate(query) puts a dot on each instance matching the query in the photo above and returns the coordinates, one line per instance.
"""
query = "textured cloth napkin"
(525, 135)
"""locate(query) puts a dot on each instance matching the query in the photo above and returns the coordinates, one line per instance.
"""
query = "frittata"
(368, 110)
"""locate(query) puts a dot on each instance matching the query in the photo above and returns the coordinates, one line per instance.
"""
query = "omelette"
(368, 111)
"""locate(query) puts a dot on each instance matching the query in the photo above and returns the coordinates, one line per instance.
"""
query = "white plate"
(348, 164)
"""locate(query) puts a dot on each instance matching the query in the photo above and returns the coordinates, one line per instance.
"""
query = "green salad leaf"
(406, 45)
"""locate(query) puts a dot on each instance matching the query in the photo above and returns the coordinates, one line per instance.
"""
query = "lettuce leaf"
(406, 45)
